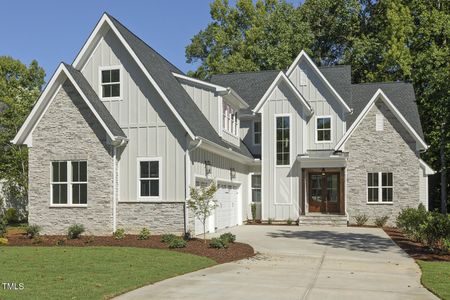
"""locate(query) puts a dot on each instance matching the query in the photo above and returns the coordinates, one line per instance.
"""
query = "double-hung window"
(323, 129)
(69, 183)
(257, 133)
(110, 83)
(380, 187)
(282, 140)
(149, 182)
(230, 121)
(256, 188)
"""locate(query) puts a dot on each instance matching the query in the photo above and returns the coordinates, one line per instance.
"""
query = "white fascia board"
(427, 169)
(225, 152)
(215, 87)
(316, 69)
(281, 76)
(234, 98)
(379, 94)
(78, 63)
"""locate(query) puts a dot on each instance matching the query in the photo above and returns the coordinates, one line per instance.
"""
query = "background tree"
(20, 87)
(202, 203)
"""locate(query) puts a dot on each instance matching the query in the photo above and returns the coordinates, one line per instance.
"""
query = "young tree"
(202, 203)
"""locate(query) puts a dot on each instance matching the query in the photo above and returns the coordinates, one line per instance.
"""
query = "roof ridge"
(334, 66)
(247, 72)
(381, 82)
(145, 43)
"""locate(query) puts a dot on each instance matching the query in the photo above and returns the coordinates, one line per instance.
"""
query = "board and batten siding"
(323, 103)
(246, 132)
(281, 188)
(152, 129)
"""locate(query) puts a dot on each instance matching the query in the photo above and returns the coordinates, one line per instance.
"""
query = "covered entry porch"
(323, 183)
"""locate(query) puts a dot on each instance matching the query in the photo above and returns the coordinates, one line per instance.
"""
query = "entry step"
(323, 219)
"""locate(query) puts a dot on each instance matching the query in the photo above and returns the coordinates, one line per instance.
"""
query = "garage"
(227, 210)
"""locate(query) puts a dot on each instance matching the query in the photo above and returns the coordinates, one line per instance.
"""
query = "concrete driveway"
(302, 263)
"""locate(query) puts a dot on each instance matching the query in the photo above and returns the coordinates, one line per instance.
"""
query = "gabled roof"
(281, 77)
(426, 168)
(319, 73)
(67, 72)
(380, 95)
(340, 77)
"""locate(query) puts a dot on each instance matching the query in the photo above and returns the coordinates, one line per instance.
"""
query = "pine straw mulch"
(414, 249)
(235, 251)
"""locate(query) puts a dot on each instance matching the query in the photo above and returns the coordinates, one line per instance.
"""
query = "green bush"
(361, 219)
(253, 207)
(60, 242)
(32, 231)
(3, 224)
(168, 237)
(446, 244)
(75, 231)
(37, 240)
(177, 243)
(218, 243)
(3, 241)
(144, 234)
(409, 221)
(270, 221)
(119, 234)
(381, 221)
(228, 237)
(11, 216)
(435, 229)
(289, 221)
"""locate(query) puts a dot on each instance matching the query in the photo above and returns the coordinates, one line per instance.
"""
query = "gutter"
(117, 143)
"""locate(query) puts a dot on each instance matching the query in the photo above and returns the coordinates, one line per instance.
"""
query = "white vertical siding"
(152, 129)
(246, 133)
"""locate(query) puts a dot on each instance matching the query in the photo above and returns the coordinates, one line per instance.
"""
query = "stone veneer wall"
(390, 150)
(69, 131)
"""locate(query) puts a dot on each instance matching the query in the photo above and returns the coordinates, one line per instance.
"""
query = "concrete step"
(319, 219)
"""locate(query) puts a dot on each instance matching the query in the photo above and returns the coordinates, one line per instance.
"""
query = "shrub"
(381, 221)
(37, 240)
(446, 244)
(3, 241)
(435, 229)
(3, 224)
(270, 221)
(409, 221)
(218, 243)
(144, 234)
(177, 243)
(119, 234)
(60, 242)
(228, 237)
(168, 237)
(253, 207)
(11, 216)
(361, 219)
(32, 231)
(289, 221)
(75, 231)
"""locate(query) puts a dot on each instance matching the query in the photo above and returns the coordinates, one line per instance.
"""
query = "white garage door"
(227, 209)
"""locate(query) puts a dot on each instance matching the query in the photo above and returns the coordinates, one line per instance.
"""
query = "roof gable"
(380, 95)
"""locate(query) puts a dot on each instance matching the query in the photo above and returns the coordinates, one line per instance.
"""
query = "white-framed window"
(69, 183)
(379, 123)
(149, 178)
(230, 119)
(111, 83)
(323, 129)
(256, 188)
(380, 187)
(283, 140)
(256, 132)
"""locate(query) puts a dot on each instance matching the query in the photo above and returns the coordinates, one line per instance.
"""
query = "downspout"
(187, 178)
(114, 189)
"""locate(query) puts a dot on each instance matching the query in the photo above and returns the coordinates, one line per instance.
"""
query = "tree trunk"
(443, 174)
(204, 231)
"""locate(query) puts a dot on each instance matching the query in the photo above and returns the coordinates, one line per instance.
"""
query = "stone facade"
(69, 131)
(391, 150)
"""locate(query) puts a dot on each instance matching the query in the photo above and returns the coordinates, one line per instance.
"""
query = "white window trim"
(138, 179)
(69, 183)
(250, 188)
(331, 129)
(100, 85)
(380, 190)
(233, 120)
(275, 116)
(253, 132)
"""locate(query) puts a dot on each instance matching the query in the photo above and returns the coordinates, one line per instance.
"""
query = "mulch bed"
(235, 251)
(414, 249)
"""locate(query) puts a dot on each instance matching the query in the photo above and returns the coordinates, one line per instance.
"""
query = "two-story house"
(117, 138)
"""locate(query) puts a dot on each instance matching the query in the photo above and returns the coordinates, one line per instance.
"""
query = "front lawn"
(88, 272)
(436, 277)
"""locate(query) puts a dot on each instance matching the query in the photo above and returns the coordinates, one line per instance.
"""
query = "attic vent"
(303, 78)
(379, 126)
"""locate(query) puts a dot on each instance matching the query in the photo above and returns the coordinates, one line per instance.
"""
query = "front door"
(324, 192)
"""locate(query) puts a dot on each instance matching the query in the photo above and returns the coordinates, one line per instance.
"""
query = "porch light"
(323, 171)
(232, 173)
(208, 167)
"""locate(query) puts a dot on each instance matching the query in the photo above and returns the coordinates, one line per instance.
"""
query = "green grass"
(89, 272)
(436, 277)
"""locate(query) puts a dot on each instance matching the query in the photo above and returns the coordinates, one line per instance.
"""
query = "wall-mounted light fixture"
(208, 167)
(323, 171)
(232, 173)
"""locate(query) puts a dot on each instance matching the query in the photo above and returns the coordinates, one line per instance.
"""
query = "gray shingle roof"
(340, 77)
(161, 70)
(401, 95)
(93, 98)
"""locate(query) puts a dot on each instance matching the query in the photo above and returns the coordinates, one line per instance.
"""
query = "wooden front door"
(324, 192)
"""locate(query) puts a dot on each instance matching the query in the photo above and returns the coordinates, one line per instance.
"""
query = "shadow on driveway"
(366, 242)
